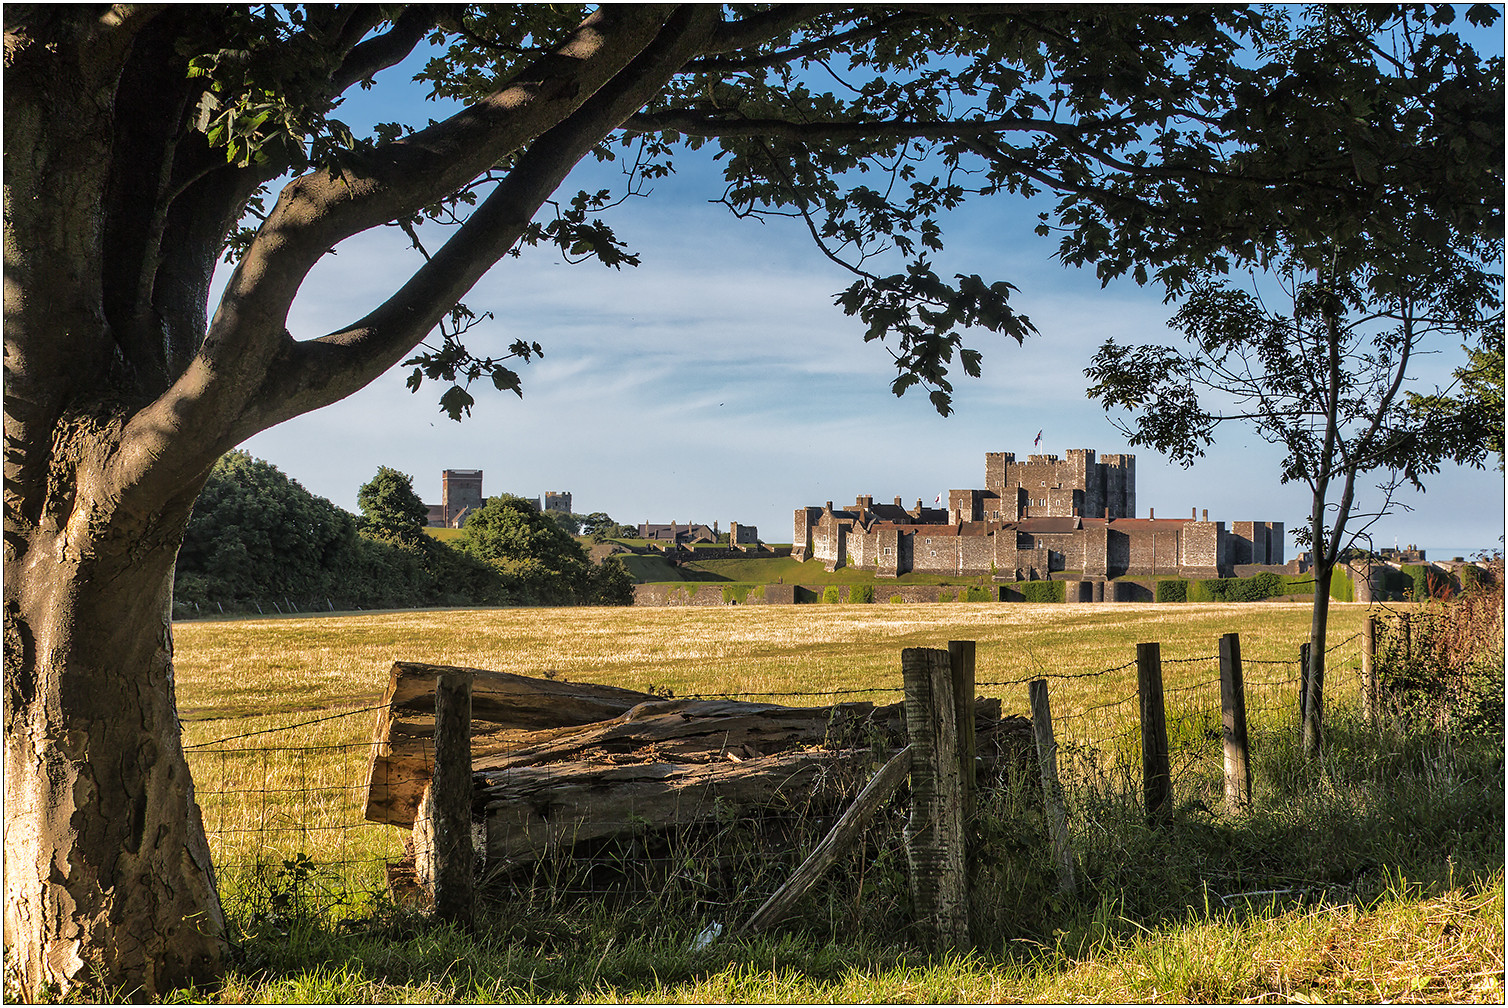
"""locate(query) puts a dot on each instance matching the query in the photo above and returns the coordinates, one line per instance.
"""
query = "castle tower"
(460, 489)
(996, 465)
(558, 500)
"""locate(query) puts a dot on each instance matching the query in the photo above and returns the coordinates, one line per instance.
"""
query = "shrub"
(1450, 673)
(830, 595)
(946, 596)
(1175, 590)
(861, 593)
(1042, 591)
(978, 595)
(896, 600)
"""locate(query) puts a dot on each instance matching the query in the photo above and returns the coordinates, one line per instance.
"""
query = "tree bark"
(108, 884)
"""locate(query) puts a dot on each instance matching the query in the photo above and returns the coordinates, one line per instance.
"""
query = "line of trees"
(257, 535)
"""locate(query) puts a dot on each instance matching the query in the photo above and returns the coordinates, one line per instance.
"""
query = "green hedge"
(978, 595)
(897, 600)
(1042, 591)
(1418, 576)
(830, 595)
(1175, 590)
(861, 593)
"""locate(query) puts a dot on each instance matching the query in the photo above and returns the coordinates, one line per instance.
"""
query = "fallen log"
(556, 764)
(504, 707)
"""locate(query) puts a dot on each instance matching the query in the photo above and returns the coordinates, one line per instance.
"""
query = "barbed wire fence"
(284, 806)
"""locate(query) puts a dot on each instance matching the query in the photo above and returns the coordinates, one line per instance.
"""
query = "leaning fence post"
(1157, 776)
(1368, 680)
(1233, 722)
(961, 666)
(1052, 787)
(450, 791)
(934, 834)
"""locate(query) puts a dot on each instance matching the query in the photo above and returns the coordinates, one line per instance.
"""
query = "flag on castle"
(1037, 440)
(937, 499)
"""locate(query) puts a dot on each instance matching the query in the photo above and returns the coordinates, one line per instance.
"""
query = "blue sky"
(717, 381)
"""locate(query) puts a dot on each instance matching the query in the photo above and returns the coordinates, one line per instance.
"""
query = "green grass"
(1381, 868)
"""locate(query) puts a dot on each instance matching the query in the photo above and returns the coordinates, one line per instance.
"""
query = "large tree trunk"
(108, 884)
(120, 394)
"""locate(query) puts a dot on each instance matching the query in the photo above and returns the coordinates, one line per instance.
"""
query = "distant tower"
(558, 500)
(460, 489)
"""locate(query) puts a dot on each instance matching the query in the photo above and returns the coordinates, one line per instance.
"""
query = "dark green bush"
(1173, 590)
(1042, 591)
(861, 593)
(830, 595)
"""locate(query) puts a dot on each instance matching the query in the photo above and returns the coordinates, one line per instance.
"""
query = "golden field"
(270, 791)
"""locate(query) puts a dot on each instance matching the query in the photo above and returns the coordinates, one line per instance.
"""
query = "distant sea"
(1451, 552)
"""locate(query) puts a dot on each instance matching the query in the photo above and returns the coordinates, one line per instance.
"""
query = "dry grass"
(271, 795)
(234, 668)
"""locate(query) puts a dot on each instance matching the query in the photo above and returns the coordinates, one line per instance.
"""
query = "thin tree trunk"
(108, 883)
(1318, 628)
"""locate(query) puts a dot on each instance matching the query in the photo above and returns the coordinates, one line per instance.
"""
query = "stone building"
(1032, 519)
(686, 535)
(461, 494)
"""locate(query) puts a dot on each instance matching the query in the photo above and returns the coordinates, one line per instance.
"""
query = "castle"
(1034, 518)
(461, 494)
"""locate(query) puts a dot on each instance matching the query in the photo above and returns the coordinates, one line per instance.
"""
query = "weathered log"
(503, 707)
(558, 763)
(533, 811)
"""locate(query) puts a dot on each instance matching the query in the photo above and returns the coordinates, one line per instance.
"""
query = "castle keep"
(1031, 519)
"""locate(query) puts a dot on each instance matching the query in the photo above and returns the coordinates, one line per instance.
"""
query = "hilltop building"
(1034, 518)
(461, 493)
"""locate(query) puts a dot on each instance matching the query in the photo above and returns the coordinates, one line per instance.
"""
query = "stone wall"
(1202, 549)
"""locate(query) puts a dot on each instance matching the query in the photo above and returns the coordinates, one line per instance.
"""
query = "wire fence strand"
(281, 806)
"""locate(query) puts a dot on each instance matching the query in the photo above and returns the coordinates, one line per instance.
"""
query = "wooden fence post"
(1303, 684)
(1052, 787)
(934, 834)
(1368, 677)
(1233, 722)
(1157, 776)
(450, 799)
(961, 666)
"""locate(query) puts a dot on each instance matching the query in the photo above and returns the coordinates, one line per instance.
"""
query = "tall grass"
(1396, 834)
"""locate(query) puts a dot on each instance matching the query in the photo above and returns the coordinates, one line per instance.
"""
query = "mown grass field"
(1422, 918)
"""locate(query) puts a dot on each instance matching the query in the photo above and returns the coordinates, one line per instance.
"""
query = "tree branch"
(762, 26)
(315, 373)
(382, 51)
(691, 123)
(812, 47)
